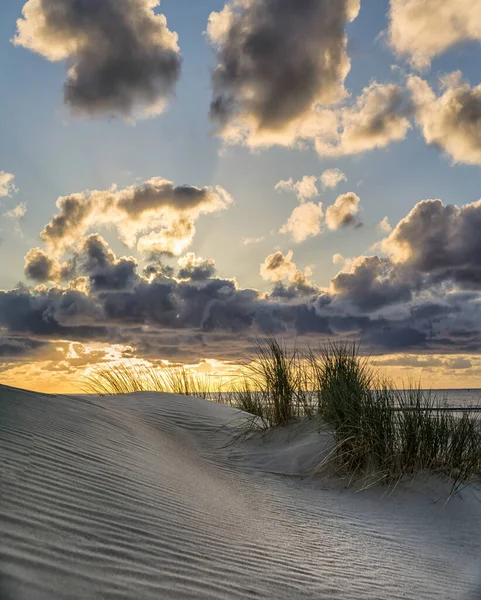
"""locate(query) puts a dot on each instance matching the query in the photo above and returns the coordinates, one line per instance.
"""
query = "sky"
(179, 179)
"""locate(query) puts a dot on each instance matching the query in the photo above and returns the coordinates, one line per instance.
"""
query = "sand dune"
(149, 496)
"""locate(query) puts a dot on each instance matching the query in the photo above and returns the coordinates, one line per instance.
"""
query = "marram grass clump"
(378, 431)
(391, 432)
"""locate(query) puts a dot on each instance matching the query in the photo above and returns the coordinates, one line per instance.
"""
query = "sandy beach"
(150, 496)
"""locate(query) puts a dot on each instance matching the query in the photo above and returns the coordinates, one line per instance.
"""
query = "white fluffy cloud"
(384, 226)
(332, 177)
(122, 57)
(156, 216)
(343, 212)
(305, 189)
(451, 121)
(305, 222)
(309, 219)
(378, 117)
(424, 29)
(7, 185)
(278, 267)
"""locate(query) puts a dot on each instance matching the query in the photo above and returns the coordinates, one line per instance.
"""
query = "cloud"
(343, 212)
(277, 59)
(434, 251)
(379, 116)
(277, 267)
(16, 347)
(298, 286)
(305, 222)
(384, 226)
(104, 271)
(451, 121)
(280, 65)
(308, 219)
(122, 57)
(441, 241)
(423, 30)
(410, 361)
(195, 268)
(249, 241)
(305, 189)
(7, 185)
(17, 214)
(93, 264)
(158, 314)
(40, 267)
(371, 283)
(332, 177)
(459, 363)
(156, 216)
(423, 297)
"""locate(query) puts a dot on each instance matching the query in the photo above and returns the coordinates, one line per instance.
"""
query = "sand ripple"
(143, 497)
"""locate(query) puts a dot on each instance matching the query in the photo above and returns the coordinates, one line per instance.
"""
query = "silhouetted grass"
(127, 379)
(274, 384)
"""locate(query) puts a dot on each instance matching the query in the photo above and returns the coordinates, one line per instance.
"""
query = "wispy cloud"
(17, 214)
(249, 241)
(7, 184)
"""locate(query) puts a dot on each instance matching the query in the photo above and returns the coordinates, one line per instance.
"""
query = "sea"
(452, 398)
(459, 398)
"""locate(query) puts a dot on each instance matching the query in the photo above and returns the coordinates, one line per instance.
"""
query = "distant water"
(456, 398)
(464, 397)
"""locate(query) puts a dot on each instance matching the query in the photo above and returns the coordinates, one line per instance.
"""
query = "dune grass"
(391, 432)
(377, 429)
(127, 379)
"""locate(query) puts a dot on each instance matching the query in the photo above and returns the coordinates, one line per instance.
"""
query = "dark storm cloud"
(144, 315)
(122, 57)
(373, 283)
(407, 302)
(40, 267)
(396, 339)
(196, 268)
(13, 348)
(102, 268)
(278, 57)
(298, 286)
(442, 241)
(55, 313)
